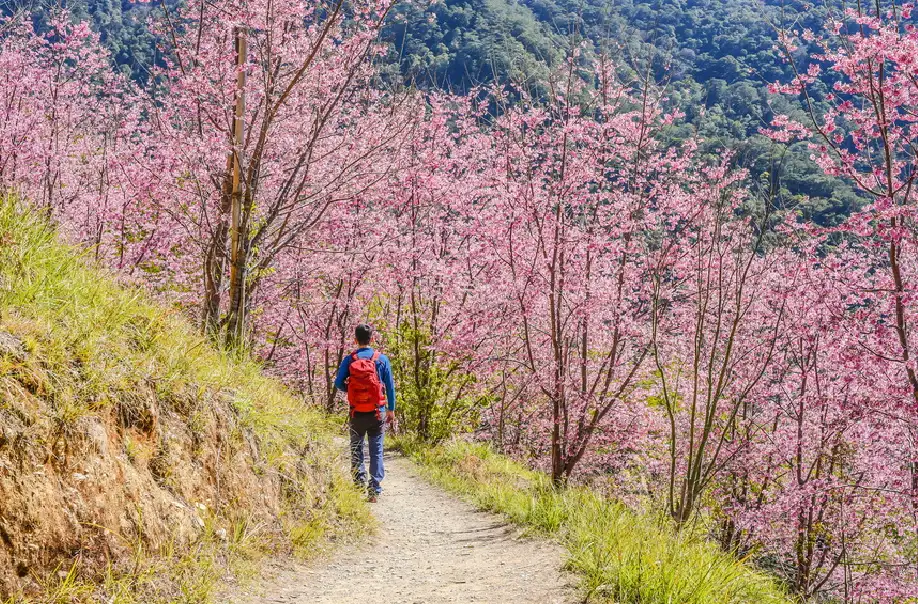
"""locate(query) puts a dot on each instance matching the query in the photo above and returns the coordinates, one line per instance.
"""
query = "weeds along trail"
(429, 548)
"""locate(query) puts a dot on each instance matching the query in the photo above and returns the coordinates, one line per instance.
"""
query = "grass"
(621, 556)
(91, 348)
(169, 576)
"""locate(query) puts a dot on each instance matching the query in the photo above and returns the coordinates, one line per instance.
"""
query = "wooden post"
(236, 318)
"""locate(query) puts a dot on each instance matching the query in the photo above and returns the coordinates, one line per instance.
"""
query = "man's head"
(363, 334)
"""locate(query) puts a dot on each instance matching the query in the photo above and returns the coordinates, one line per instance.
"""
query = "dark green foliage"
(121, 24)
(457, 44)
(122, 27)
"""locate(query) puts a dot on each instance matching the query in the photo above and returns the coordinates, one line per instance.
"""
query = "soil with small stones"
(430, 548)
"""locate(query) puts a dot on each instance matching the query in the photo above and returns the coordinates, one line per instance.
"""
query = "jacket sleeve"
(386, 377)
(344, 371)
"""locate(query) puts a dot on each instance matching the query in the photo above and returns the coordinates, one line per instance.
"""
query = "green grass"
(621, 555)
(94, 348)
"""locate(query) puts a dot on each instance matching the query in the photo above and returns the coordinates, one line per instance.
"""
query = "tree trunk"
(557, 465)
(215, 265)
(235, 327)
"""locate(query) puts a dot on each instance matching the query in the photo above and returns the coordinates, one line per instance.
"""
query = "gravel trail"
(430, 548)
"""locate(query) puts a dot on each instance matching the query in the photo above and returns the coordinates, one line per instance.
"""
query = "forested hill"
(717, 55)
(122, 26)
(459, 43)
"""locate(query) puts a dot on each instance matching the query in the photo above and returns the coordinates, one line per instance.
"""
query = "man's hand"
(390, 418)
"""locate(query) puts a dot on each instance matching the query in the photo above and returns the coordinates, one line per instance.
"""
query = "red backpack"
(364, 390)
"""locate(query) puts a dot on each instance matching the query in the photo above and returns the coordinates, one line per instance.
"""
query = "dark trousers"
(372, 426)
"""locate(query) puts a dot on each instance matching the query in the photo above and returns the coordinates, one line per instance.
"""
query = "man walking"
(366, 377)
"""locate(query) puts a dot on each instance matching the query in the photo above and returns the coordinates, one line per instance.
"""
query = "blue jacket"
(383, 369)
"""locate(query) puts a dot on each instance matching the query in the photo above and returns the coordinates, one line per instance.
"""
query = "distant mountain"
(464, 42)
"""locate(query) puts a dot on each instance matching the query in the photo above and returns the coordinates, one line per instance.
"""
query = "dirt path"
(430, 548)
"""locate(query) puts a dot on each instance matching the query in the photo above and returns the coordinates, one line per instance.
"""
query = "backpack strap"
(353, 360)
(375, 358)
(376, 355)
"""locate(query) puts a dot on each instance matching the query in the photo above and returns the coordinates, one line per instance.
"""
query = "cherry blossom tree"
(718, 309)
(855, 413)
(263, 122)
(573, 188)
(62, 114)
(823, 456)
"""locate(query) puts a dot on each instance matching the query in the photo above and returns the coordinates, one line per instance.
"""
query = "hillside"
(716, 56)
(138, 464)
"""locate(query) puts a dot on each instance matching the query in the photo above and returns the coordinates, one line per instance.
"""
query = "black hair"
(363, 333)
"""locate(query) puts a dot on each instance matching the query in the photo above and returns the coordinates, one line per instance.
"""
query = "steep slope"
(128, 444)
